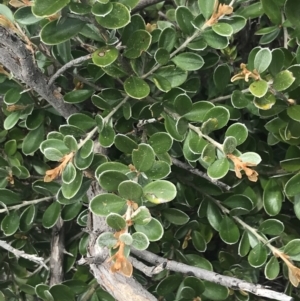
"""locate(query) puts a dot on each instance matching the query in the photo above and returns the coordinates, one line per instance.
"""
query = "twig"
(285, 33)
(143, 4)
(85, 81)
(148, 271)
(221, 98)
(57, 253)
(199, 173)
(67, 66)
(18, 253)
(27, 203)
(230, 282)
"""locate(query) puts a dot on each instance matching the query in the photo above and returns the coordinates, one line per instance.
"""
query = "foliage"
(213, 84)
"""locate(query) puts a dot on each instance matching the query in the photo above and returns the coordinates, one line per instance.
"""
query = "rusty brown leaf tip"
(245, 74)
(219, 11)
(120, 262)
(239, 165)
(52, 174)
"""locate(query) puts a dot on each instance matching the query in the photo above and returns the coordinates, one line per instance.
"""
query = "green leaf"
(101, 9)
(199, 110)
(283, 80)
(160, 191)
(214, 215)
(69, 190)
(218, 169)
(106, 239)
(160, 142)
(143, 158)
(206, 8)
(214, 40)
(71, 143)
(215, 292)
(153, 230)
(198, 241)
(188, 61)
(182, 104)
(141, 216)
(125, 144)
(115, 221)
(105, 56)
(27, 218)
(220, 113)
(239, 100)
(10, 147)
(62, 292)
(271, 227)
(222, 76)
(292, 11)
(229, 145)
(138, 43)
(292, 187)
(117, 166)
(262, 60)
(136, 87)
(244, 245)
(69, 212)
(11, 120)
(166, 43)
(77, 96)
(239, 131)
(266, 102)
(229, 232)
(107, 203)
(292, 248)
(42, 8)
(12, 96)
(118, 17)
(176, 76)
(184, 18)
(272, 11)
(272, 268)
(294, 112)
(10, 223)
(168, 285)
(159, 170)
(272, 198)
(175, 216)
(130, 190)
(140, 241)
(107, 136)
(258, 255)
(51, 215)
(60, 30)
(222, 29)
(69, 173)
(259, 88)
(110, 179)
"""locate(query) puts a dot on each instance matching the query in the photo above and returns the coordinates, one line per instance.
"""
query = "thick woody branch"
(19, 60)
(18, 253)
(57, 253)
(230, 282)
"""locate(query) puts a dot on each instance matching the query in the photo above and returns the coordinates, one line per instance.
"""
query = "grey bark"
(18, 59)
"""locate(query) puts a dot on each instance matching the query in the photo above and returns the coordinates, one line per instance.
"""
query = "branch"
(199, 173)
(145, 3)
(27, 203)
(119, 286)
(230, 282)
(18, 253)
(67, 66)
(57, 253)
(19, 60)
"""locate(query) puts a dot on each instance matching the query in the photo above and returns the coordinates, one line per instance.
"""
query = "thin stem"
(221, 98)
(67, 66)
(105, 120)
(285, 33)
(26, 203)
(212, 141)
